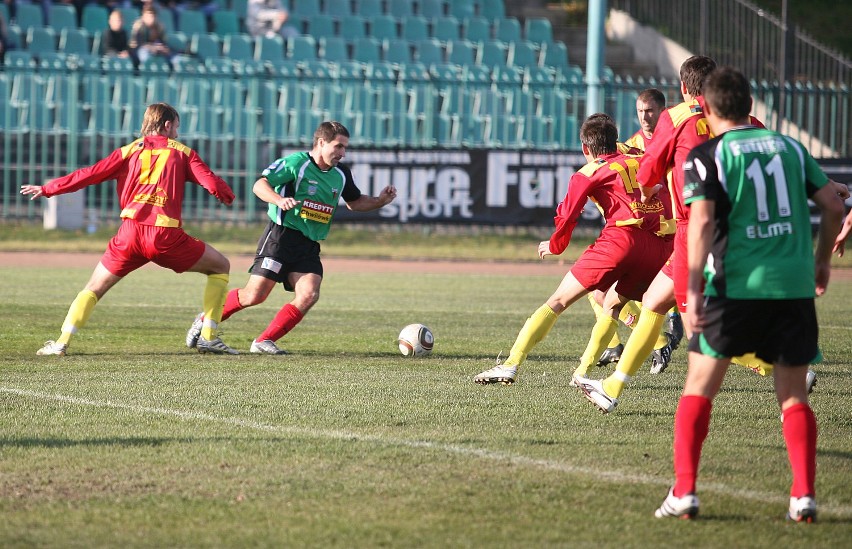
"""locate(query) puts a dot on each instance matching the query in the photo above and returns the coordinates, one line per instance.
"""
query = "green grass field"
(135, 441)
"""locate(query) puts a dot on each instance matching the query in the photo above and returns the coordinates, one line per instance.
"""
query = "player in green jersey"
(753, 276)
(303, 191)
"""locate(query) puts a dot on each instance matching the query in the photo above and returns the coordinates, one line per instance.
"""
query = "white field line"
(615, 477)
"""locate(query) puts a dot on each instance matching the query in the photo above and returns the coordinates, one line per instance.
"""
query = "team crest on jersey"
(334, 193)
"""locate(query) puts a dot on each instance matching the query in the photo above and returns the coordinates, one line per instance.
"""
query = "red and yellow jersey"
(610, 182)
(638, 142)
(151, 173)
(679, 129)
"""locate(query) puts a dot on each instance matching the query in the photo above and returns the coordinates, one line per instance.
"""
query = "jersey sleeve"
(103, 170)
(815, 178)
(204, 176)
(351, 192)
(700, 176)
(279, 174)
(659, 154)
(568, 212)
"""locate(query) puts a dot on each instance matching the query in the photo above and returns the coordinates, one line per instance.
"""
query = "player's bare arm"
(831, 216)
(841, 188)
(264, 191)
(34, 191)
(699, 240)
(544, 249)
(840, 241)
(365, 203)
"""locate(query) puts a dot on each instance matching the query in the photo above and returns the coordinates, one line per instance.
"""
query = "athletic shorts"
(281, 251)
(628, 257)
(780, 332)
(134, 245)
(677, 267)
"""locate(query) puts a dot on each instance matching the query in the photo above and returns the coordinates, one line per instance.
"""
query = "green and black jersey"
(760, 182)
(319, 193)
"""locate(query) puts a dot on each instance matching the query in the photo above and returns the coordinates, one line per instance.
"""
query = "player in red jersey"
(650, 104)
(628, 253)
(151, 173)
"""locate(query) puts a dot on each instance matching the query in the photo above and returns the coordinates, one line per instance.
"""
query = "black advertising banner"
(481, 187)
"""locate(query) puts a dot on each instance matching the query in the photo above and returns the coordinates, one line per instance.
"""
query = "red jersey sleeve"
(659, 154)
(110, 167)
(204, 176)
(568, 212)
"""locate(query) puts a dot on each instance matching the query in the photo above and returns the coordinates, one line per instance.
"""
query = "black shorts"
(781, 332)
(281, 251)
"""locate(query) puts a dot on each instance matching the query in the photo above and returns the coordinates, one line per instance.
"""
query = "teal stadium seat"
(339, 9)
(240, 7)
(76, 41)
(556, 56)
(155, 64)
(354, 28)
(432, 9)
(538, 30)
(381, 71)
(205, 46)
(95, 18)
(222, 67)
(178, 43)
(477, 29)
(130, 15)
(507, 29)
(462, 9)
(62, 16)
(397, 51)
(320, 26)
(384, 27)
(462, 52)
(367, 50)
(192, 22)
(269, 49)
(238, 47)
(167, 18)
(492, 9)
(226, 22)
(333, 49)
(369, 8)
(41, 40)
(523, 54)
(305, 8)
(415, 28)
(29, 16)
(429, 52)
(401, 8)
(446, 29)
(493, 53)
(302, 48)
(4, 13)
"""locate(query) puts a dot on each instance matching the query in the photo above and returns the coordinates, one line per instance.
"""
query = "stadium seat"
(192, 22)
(538, 30)
(366, 50)
(167, 18)
(507, 29)
(508, 76)
(4, 13)
(225, 22)
(477, 29)
(397, 50)
(75, 41)
(161, 88)
(205, 46)
(354, 28)
(415, 28)
(462, 9)
(95, 18)
(381, 71)
(316, 70)
(240, 7)
(238, 47)
(117, 65)
(130, 15)
(401, 8)
(492, 9)
(302, 48)
(339, 9)
(432, 9)
(62, 16)
(351, 71)
(429, 52)
(305, 8)
(462, 52)
(556, 56)
(493, 53)
(178, 43)
(29, 16)
(219, 66)
(333, 49)
(320, 26)
(369, 8)
(446, 29)
(155, 64)
(522, 54)
(269, 49)
(40, 40)
(384, 27)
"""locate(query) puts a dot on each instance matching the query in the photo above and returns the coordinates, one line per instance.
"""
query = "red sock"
(232, 304)
(800, 434)
(692, 422)
(284, 321)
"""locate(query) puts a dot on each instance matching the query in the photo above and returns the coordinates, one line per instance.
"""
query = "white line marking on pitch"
(612, 476)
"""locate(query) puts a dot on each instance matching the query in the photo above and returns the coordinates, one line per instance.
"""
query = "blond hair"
(156, 116)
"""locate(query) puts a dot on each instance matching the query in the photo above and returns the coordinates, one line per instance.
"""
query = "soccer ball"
(416, 340)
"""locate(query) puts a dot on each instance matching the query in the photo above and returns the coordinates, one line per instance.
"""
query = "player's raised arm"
(33, 191)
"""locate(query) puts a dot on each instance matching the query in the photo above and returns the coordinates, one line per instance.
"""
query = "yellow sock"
(630, 314)
(214, 300)
(753, 363)
(638, 348)
(535, 329)
(78, 314)
(600, 333)
(599, 312)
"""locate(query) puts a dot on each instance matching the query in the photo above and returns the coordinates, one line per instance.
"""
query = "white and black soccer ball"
(416, 340)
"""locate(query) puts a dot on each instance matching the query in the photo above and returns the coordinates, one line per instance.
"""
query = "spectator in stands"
(148, 36)
(269, 18)
(114, 40)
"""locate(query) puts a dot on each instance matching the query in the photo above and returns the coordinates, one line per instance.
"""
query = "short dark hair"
(728, 93)
(328, 130)
(694, 71)
(652, 95)
(600, 134)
